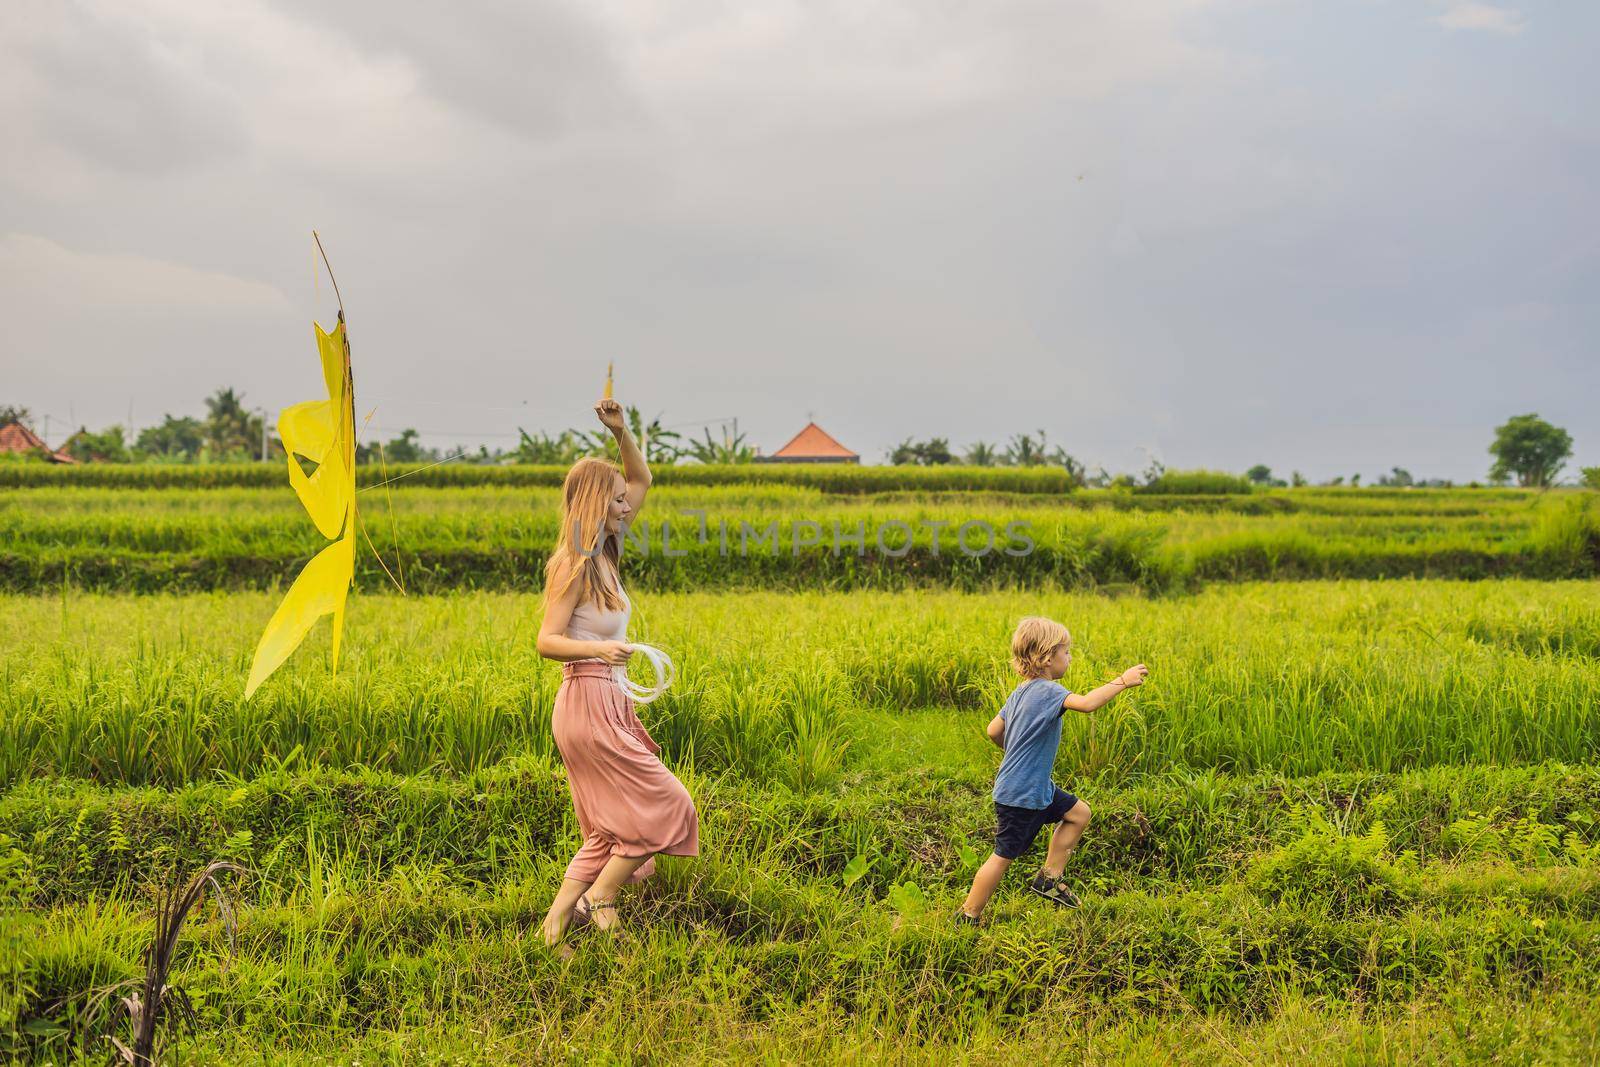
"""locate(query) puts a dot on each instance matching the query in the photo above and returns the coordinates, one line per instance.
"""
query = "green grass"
(1345, 822)
(757, 536)
(1302, 678)
(835, 478)
(402, 906)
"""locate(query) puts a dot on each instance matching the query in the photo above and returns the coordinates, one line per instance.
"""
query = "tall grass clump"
(1196, 482)
(1302, 678)
(844, 479)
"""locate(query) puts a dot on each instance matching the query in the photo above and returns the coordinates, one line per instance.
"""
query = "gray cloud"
(104, 92)
(538, 70)
(1478, 16)
(1139, 225)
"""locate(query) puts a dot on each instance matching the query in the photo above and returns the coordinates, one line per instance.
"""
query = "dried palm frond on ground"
(155, 998)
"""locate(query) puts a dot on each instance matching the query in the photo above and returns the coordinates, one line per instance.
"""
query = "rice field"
(1348, 819)
(796, 538)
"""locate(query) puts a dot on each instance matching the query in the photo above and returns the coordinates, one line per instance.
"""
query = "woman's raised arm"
(635, 471)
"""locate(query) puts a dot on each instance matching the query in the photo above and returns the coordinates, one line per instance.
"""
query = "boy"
(1028, 730)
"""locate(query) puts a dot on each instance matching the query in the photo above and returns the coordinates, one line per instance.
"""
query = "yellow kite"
(324, 432)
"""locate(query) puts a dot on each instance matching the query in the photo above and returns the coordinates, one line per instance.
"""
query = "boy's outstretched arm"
(1095, 699)
(997, 731)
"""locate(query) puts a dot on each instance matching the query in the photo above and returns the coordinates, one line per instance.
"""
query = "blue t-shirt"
(1032, 715)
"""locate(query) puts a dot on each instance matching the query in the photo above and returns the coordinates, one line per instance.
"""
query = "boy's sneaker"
(963, 919)
(1054, 890)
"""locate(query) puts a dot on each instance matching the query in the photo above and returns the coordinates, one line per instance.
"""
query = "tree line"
(1526, 449)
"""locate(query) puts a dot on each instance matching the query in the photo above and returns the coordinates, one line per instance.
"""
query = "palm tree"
(1058, 457)
(1024, 451)
(230, 428)
(981, 454)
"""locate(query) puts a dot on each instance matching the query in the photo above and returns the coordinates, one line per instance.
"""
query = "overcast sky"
(1330, 237)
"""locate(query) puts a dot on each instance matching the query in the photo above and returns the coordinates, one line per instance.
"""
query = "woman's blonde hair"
(582, 542)
(1033, 642)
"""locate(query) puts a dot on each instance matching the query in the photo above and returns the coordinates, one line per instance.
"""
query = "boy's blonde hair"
(1034, 642)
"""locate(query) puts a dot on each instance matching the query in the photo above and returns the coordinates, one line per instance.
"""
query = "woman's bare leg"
(560, 914)
(605, 887)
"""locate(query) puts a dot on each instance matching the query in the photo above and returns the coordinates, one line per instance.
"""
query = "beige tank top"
(592, 622)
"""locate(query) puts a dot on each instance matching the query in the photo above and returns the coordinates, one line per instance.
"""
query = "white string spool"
(665, 673)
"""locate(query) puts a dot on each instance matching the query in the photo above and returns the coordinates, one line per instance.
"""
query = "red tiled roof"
(15, 437)
(813, 441)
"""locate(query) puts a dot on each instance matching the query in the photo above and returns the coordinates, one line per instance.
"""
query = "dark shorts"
(1019, 826)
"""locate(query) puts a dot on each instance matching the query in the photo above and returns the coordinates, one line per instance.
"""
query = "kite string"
(394, 527)
(379, 556)
(407, 474)
(375, 554)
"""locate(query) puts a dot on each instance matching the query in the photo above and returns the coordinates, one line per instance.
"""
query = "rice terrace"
(1360, 818)
(799, 533)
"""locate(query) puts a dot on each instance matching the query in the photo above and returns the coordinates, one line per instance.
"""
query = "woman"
(629, 806)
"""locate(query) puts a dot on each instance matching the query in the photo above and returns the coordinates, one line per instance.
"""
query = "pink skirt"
(627, 802)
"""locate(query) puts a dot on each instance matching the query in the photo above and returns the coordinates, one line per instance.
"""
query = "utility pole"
(263, 412)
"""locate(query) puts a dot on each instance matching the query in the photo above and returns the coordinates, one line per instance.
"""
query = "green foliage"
(398, 450)
(1341, 872)
(1261, 475)
(1370, 676)
(151, 539)
(837, 478)
(399, 905)
(176, 438)
(1591, 477)
(231, 430)
(16, 874)
(1524, 840)
(1529, 449)
(107, 446)
(930, 453)
(731, 449)
(1398, 478)
(1197, 482)
(1026, 450)
(907, 898)
(853, 872)
(981, 454)
(659, 444)
(1343, 821)
(1568, 535)
(552, 451)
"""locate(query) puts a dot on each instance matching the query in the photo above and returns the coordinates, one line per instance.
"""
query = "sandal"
(582, 919)
(1055, 890)
(583, 910)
